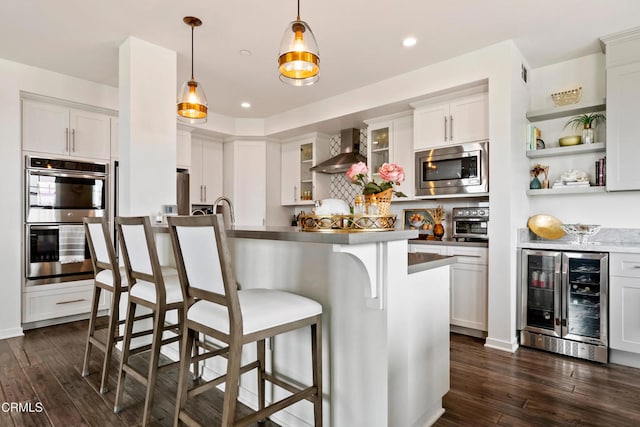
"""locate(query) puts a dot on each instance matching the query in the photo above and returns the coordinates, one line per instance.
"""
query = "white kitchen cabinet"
(206, 171)
(47, 302)
(252, 182)
(456, 121)
(56, 129)
(468, 283)
(624, 300)
(390, 140)
(298, 185)
(183, 149)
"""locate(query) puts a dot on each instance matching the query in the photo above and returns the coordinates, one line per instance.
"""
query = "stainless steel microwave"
(457, 169)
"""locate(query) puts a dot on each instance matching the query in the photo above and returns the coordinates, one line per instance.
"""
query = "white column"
(147, 134)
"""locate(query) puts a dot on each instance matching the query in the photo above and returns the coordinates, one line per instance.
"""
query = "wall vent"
(524, 73)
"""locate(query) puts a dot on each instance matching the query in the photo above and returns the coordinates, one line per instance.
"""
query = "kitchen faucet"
(226, 199)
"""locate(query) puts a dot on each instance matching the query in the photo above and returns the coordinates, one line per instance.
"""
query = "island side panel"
(355, 364)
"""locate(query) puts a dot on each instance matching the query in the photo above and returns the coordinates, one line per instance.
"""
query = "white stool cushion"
(261, 309)
(147, 290)
(106, 276)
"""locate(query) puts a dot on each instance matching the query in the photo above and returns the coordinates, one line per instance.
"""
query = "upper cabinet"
(298, 185)
(623, 108)
(183, 149)
(455, 121)
(205, 181)
(390, 140)
(56, 129)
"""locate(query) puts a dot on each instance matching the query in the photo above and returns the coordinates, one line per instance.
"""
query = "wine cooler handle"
(564, 322)
(557, 321)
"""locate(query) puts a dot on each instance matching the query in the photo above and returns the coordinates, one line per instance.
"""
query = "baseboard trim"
(11, 333)
(502, 345)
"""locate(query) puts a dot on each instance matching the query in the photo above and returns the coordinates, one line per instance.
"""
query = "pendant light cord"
(298, 10)
(192, 52)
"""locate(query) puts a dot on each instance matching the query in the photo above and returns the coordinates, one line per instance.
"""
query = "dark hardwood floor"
(488, 387)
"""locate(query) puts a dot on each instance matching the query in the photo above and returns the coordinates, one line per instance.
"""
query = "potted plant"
(586, 122)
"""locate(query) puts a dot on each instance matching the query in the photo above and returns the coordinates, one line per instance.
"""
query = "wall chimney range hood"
(349, 154)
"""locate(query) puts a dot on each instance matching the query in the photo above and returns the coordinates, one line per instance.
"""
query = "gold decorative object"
(546, 226)
(436, 213)
(383, 199)
(567, 141)
(347, 223)
(567, 97)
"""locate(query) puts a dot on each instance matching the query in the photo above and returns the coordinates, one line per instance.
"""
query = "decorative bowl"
(416, 220)
(581, 231)
(566, 141)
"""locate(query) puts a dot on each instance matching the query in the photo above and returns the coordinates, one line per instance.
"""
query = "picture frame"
(410, 220)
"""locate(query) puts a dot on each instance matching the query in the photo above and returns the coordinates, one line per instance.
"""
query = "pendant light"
(299, 59)
(192, 102)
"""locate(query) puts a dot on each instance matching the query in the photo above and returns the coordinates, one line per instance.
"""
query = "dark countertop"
(294, 234)
(449, 242)
(426, 261)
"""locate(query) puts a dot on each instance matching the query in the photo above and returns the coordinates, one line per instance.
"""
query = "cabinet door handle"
(445, 128)
(70, 302)
(66, 139)
(73, 140)
(205, 193)
(295, 193)
(201, 193)
(450, 128)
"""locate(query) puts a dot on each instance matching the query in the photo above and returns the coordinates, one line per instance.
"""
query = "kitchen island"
(386, 322)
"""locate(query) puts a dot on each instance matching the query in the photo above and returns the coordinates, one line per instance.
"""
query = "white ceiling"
(359, 40)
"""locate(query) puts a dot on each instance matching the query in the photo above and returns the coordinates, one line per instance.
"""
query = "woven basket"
(383, 199)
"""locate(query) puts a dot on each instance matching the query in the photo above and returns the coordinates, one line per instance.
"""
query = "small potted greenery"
(586, 122)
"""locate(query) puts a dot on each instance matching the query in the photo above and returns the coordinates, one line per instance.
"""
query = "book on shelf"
(601, 171)
(533, 134)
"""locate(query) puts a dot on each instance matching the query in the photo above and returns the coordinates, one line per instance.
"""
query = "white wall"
(15, 77)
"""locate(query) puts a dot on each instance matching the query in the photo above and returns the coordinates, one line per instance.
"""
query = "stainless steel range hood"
(349, 154)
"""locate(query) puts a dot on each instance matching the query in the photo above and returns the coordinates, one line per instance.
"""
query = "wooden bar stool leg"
(126, 343)
(183, 378)
(261, 369)
(92, 330)
(316, 361)
(112, 332)
(153, 365)
(231, 384)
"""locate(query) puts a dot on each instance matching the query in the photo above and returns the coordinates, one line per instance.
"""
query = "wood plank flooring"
(488, 387)
(536, 388)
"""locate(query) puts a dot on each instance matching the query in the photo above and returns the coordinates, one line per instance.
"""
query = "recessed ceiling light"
(246, 105)
(244, 52)
(409, 41)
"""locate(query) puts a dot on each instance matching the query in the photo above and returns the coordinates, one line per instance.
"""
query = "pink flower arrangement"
(390, 173)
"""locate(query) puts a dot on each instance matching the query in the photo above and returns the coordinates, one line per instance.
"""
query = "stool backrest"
(139, 252)
(203, 261)
(102, 252)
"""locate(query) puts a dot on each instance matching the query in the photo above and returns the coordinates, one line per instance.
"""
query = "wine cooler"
(563, 302)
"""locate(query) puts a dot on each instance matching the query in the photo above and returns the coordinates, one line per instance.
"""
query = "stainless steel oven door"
(56, 196)
(458, 169)
(57, 253)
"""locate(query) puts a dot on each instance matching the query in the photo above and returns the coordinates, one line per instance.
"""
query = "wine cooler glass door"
(585, 289)
(541, 286)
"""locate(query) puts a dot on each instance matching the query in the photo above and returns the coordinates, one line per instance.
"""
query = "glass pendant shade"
(299, 59)
(192, 103)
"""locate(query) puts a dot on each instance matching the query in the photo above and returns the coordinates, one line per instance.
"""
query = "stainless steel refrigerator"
(563, 300)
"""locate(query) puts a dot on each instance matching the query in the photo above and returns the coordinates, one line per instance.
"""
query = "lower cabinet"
(468, 302)
(47, 302)
(624, 300)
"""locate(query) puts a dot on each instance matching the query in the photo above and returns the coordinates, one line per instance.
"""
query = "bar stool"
(111, 279)
(235, 317)
(148, 287)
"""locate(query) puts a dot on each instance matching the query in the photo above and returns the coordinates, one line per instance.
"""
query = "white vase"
(587, 136)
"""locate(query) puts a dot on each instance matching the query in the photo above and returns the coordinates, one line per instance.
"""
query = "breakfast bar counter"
(385, 329)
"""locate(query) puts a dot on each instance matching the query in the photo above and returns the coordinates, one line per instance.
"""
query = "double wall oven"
(58, 194)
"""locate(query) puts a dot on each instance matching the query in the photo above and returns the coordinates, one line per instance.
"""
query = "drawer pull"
(468, 256)
(71, 302)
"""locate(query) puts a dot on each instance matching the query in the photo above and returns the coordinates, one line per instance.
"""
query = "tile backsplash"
(340, 186)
